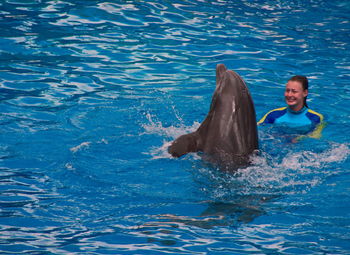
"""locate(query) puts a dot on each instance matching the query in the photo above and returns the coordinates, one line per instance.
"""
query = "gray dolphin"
(229, 132)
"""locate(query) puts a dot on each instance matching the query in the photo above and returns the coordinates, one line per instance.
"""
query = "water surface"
(91, 93)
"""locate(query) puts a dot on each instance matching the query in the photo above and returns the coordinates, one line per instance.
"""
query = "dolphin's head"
(231, 96)
(232, 114)
(228, 133)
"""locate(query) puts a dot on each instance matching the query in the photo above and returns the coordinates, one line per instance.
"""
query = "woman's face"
(294, 95)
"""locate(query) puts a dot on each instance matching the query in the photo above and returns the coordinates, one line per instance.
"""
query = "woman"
(296, 113)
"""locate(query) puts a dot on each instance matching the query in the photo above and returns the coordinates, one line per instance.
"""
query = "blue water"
(92, 92)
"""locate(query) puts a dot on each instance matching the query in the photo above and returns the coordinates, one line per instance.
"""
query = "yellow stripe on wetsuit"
(263, 118)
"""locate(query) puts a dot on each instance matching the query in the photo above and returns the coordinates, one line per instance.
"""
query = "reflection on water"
(92, 92)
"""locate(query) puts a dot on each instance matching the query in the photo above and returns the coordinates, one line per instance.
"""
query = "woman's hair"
(304, 83)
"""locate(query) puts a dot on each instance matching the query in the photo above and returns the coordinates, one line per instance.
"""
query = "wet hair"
(304, 83)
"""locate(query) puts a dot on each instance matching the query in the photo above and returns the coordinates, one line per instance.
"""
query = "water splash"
(295, 171)
(62, 62)
(172, 132)
(169, 133)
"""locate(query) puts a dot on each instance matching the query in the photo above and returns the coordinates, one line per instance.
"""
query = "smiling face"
(295, 95)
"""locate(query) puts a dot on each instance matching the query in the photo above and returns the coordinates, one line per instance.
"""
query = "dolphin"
(228, 135)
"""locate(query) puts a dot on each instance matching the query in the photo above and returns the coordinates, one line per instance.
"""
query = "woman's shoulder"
(314, 116)
(272, 115)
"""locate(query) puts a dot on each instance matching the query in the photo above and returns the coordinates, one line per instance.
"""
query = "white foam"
(80, 146)
(160, 152)
(86, 145)
(298, 171)
(300, 160)
(156, 127)
(171, 132)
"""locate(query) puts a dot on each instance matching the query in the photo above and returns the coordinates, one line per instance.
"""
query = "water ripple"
(92, 92)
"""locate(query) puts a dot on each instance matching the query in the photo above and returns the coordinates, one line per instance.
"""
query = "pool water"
(93, 92)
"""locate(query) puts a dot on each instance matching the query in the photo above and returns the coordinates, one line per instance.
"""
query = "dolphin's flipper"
(184, 144)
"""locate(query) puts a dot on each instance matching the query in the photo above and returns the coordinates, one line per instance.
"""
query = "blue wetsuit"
(305, 119)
